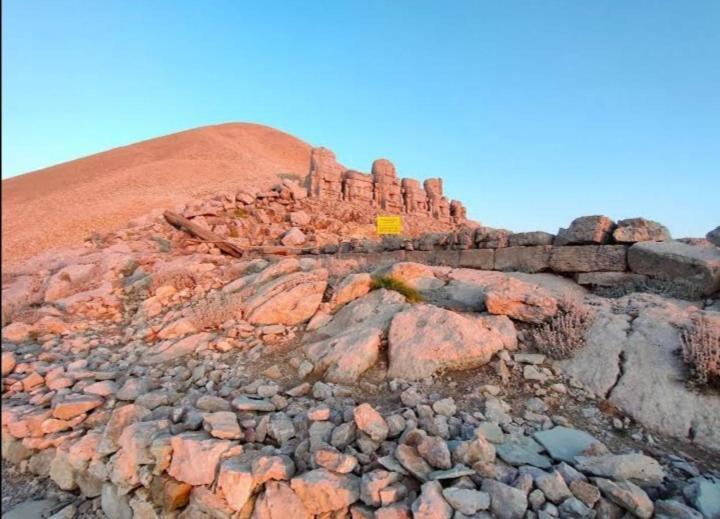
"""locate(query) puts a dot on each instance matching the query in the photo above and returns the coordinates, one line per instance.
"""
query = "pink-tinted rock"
(289, 300)
(279, 501)
(586, 230)
(639, 229)
(371, 422)
(345, 357)
(425, 339)
(8, 362)
(431, 504)
(76, 405)
(16, 332)
(522, 301)
(351, 288)
(121, 418)
(196, 457)
(235, 481)
(322, 491)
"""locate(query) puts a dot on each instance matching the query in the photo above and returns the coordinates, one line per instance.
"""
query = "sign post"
(388, 225)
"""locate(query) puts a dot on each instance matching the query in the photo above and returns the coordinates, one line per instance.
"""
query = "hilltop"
(62, 205)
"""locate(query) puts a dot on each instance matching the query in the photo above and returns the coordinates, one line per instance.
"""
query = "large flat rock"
(699, 267)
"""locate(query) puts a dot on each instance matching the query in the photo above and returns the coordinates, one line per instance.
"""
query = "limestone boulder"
(289, 300)
(425, 339)
(589, 258)
(293, 238)
(196, 457)
(322, 491)
(634, 230)
(351, 288)
(698, 267)
(345, 357)
(374, 310)
(595, 229)
(279, 501)
(522, 301)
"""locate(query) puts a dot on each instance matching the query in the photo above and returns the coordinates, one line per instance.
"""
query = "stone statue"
(414, 196)
(325, 175)
(458, 211)
(358, 187)
(439, 206)
(388, 194)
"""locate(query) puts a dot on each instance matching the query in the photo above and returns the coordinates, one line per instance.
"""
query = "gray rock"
(589, 258)
(522, 452)
(553, 486)
(467, 501)
(530, 238)
(248, 403)
(634, 467)
(564, 443)
(281, 427)
(506, 502)
(639, 229)
(706, 497)
(586, 230)
(413, 462)
(457, 471)
(431, 504)
(30, 509)
(435, 451)
(114, 505)
(627, 495)
(671, 509)
(698, 267)
(212, 404)
(573, 508)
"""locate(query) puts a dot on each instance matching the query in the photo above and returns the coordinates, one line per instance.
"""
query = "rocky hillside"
(149, 374)
(63, 205)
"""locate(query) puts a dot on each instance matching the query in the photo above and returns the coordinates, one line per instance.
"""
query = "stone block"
(696, 266)
(589, 258)
(483, 259)
(523, 259)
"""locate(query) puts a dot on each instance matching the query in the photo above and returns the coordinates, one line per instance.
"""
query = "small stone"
(431, 504)
(336, 461)
(223, 425)
(467, 501)
(445, 407)
(627, 495)
(506, 502)
(371, 422)
(212, 404)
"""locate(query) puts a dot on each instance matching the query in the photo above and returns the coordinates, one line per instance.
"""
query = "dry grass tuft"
(701, 352)
(390, 283)
(564, 334)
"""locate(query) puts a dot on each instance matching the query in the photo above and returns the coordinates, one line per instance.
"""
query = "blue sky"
(534, 112)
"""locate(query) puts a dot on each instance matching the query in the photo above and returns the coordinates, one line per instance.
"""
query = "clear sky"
(533, 111)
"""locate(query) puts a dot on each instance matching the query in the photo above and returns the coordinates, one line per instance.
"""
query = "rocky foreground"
(151, 376)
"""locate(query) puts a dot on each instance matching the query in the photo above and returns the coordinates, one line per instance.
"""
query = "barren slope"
(64, 204)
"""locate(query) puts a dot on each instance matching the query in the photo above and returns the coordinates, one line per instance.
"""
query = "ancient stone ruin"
(381, 188)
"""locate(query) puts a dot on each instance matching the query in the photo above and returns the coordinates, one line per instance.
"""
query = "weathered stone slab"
(699, 267)
(528, 239)
(483, 259)
(595, 229)
(523, 259)
(634, 230)
(589, 258)
(608, 279)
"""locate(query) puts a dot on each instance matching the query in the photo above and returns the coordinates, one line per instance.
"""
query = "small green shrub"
(390, 283)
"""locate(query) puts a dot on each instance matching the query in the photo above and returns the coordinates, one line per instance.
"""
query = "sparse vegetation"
(216, 309)
(390, 283)
(677, 288)
(241, 213)
(701, 353)
(564, 334)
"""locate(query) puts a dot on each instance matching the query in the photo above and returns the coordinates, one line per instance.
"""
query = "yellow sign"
(388, 225)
